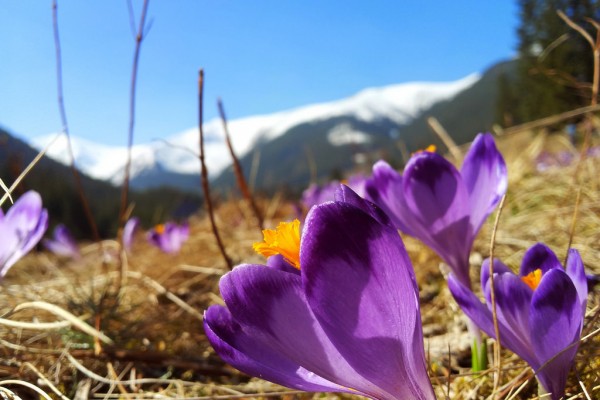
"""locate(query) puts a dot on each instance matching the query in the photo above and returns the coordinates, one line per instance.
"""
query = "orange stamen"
(160, 229)
(284, 240)
(429, 149)
(533, 279)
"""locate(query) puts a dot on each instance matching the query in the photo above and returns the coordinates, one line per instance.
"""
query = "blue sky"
(259, 57)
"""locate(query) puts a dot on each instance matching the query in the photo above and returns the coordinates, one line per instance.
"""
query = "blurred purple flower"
(594, 152)
(318, 194)
(169, 236)
(63, 244)
(545, 160)
(21, 229)
(347, 321)
(130, 228)
(540, 311)
(439, 205)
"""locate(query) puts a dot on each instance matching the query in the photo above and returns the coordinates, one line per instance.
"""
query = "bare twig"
(148, 357)
(136, 56)
(162, 290)
(204, 172)
(26, 170)
(553, 119)
(6, 190)
(439, 130)
(237, 168)
(102, 379)
(63, 116)
(594, 44)
(59, 312)
(46, 381)
(22, 383)
(131, 17)
(573, 221)
(497, 358)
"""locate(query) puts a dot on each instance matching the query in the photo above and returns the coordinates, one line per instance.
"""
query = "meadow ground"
(150, 304)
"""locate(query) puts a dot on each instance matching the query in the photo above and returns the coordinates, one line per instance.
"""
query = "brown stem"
(573, 224)
(136, 55)
(237, 168)
(594, 44)
(63, 116)
(206, 367)
(497, 358)
(204, 172)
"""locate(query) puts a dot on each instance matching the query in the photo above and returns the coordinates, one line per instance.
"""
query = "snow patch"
(344, 134)
(179, 153)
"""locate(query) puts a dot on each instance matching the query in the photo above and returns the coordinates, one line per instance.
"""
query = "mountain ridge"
(152, 162)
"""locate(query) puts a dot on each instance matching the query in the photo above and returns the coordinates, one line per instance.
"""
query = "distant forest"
(555, 65)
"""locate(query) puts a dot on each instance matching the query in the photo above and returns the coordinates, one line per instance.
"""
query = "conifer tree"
(555, 65)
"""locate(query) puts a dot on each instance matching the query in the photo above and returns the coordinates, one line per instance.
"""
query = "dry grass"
(150, 304)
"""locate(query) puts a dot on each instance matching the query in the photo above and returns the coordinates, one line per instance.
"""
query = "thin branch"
(63, 116)
(64, 314)
(202, 365)
(6, 190)
(45, 380)
(26, 170)
(22, 383)
(546, 121)
(163, 291)
(237, 168)
(204, 172)
(439, 130)
(594, 44)
(497, 357)
(563, 38)
(131, 17)
(576, 27)
(573, 222)
(136, 56)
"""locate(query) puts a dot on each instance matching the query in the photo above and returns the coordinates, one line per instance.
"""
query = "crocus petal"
(22, 228)
(482, 316)
(28, 219)
(170, 238)
(592, 281)
(378, 322)
(278, 262)
(513, 298)
(346, 195)
(257, 358)
(485, 177)
(271, 306)
(556, 323)
(576, 272)
(471, 306)
(499, 268)
(129, 230)
(62, 244)
(437, 197)
(316, 194)
(384, 188)
(539, 256)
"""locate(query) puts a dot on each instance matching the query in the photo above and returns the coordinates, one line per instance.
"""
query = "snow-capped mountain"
(177, 154)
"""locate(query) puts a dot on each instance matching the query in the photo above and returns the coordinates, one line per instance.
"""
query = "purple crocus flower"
(439, 205)
(342, 317)
(131, 226)
(318, 194)
(21, 229)
(169, 236)
(63, 244)
(540, 312)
